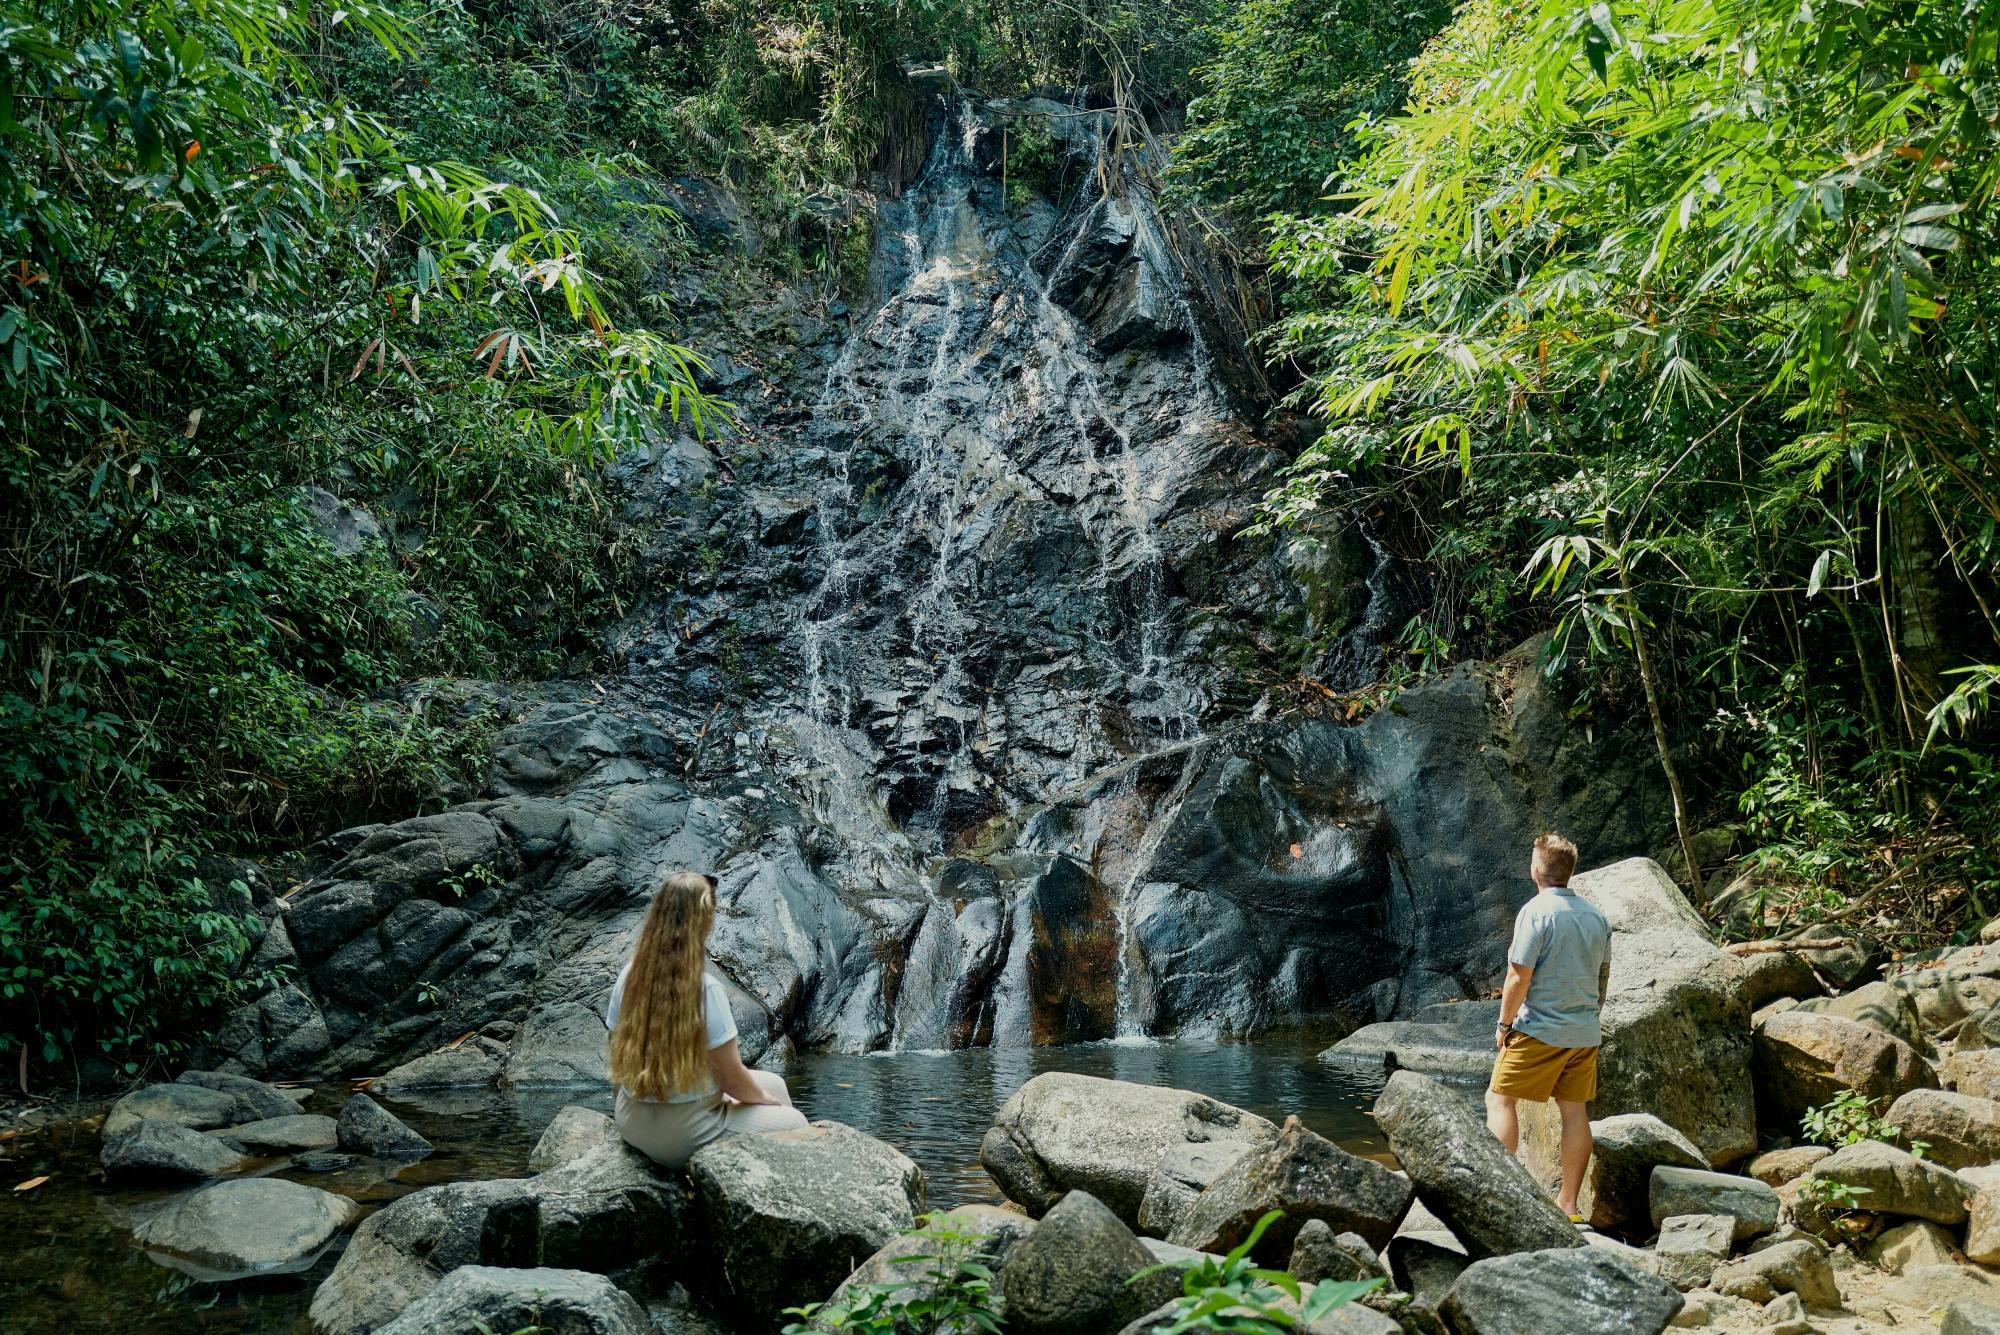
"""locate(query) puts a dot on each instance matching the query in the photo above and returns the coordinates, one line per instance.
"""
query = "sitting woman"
(681, 1082)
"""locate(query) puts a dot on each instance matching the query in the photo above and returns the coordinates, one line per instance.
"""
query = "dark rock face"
(1583, 1291)
(366, 1127)
(1307, 1178)
(167, 1151)
(1069, 1276)
(550, 1301)
(1319, 1253)
(1482, 1192)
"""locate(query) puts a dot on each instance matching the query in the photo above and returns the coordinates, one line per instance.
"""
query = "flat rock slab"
(1681, 1191)
(168, 1151)
(182, 1105)
(1574, 1291)
(1306, 1177)
(478, 1299)
(257, 1226)
(1480, 1191)
(296, 1134)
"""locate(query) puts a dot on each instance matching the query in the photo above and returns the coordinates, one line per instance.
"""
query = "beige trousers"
(670, 1133)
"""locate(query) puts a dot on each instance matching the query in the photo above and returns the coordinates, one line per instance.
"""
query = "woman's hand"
(735, 1080)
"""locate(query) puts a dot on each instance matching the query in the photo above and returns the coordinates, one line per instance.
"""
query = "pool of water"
(67, 1262)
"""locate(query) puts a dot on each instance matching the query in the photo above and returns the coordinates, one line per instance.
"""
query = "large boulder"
(1919, 1242)
(256, 1226)
(1958, 1130)
(562, 1046)
(1072, 1275)
(1482, 1192)
(1961, 984)
(1680, 1191)
(1575, 1290)
(168, 1151)
(478, 1300)
(989, 1232)
(473, 1064)
(607, 1210)
(190, 1106)
(400, 1252)
(1676, 1025)
(1307, 1178)
(366, 1127)
(255, 1100)
(1974, 1071)
(790, 1214)
(1628, 1147)
(1802, 1060)
(1896, 1182)
(1876, 1004)
(572, 1133)
(1063, 1132)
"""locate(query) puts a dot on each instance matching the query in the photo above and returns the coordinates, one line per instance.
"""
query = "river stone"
(1774, 1168)
(478, 1299)
(1897, 1182)
(792, 1213)
(1061, 1132)
(992, 1233)
(282, 1135)
(168, 1150)
(190, 1106)
(572, 1133)
(473, 1064)
(255, 1100)
(1689, 1246)
(1789, 1267)
(1919, 1242)
(1975, 1071)
(1444, 1040)
(1482, 1192)
(1959, 1130)
(1069, 1276)
(1575, 1290)
(1875, 1004)
(1970, 1318)
(260, 1225)
(1802, 1060)
(1627, 1148)
(1752, 1204)
(400, 1252)
(607, 1209)
(562, 1046)
(1306, 1177)
(1319, 1254)
(366, 1127)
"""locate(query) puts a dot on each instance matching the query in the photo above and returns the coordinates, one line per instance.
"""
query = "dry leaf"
(31, 1183)
(1297, 851)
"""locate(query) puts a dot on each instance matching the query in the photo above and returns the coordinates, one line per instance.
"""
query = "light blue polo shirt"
(1565, 939)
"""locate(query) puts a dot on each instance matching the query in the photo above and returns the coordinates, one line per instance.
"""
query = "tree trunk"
(1646, 679)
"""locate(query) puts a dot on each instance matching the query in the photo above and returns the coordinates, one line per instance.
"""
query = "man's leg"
(1504, 1121)
(1576, 1148)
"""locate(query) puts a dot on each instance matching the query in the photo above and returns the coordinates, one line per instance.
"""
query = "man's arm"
(1512, 993)
(1603, 983)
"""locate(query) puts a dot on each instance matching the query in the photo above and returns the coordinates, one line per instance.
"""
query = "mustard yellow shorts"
(1528, 1068)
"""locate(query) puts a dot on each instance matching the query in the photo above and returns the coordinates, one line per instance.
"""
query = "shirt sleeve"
(715, 1008)
(1531, 938)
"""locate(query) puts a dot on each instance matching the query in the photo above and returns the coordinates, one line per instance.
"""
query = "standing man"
(1558, 971)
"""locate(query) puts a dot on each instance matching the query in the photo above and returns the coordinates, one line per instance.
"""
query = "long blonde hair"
(658, 1048)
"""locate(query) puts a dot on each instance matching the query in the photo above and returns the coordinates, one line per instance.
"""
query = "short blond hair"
(1555, 856)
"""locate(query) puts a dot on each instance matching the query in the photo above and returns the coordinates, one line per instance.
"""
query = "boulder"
(606, 1210)
(1752, 1204)
(1070, 1275)
(1482, 1192)
(1454, 1040)
(191, 1106)
(1769, 975)
(1690, 1245)
(479, 1299)
(255, 1100)
(168, 1151)
(400, 1252)
(790, 1213)
(1319, 1254)
(281, 1135)
(562, 1046)
(1982, 1231)
(1875, 1004)
(572, 1133)
(1961, 984)
(1919, 1242)
(1774, 1168)
(1182, 1174)
(1425, 1267)
(1676, 1027)
(1958, 1130)
(261, 1225)
(1975, 1071)
(1789, 1267)
(1575, 1290)
(473, 1064)
(1063, 1132)
(1785, 1315)
(1306, 1177)
(366, 1127)
(990, 1233)
(1802, 1060)
(1965, 1317)
(1897, 1182)
(1627, 1149)
(1846, 959)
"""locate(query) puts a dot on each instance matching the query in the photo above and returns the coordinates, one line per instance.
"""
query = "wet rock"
(255, 1100)
(1321, 1254)
(1916, 1243)
(475, 1299)
(1577, 1290)
(1875, 1004)
(1802, 1060)
(181, 1105)
(366, 1127)
(1959, 1130)
(562, 1046)
(1063, 1132)
(791, 1212)
(1774, 1168)
(1306, 1177)
(1458, 1043)
(167, 1151)
(1069, 1276)
(474, 1064)
(1482, 1192)
(1677, 1191)
(400, 1252)
(1962, 1317)
(1627, 1148)
(317, 1162)
(1789, 1267)
(1690, 1245)
(281, 1135)
(261, 1225)
(1897, 1182)
(572, 1133)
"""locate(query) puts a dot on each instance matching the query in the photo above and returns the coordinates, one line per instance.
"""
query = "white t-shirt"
(715, 1013)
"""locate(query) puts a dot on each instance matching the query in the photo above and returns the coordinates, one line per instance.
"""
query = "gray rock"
(1753, 1205)
(1458, 1042)
(1789, 1267)
(1575, 1290)
(792, 1213)
(1958, 1130)
(474, 1064)
(477, 1299)
(1618, 1183)
(255, 1100)
(1069, 1276)
(261, 1225)
(1690, 1245)
(1774, 1168)
(1802, 1060)
(167, 1151)
(400, 1252)
(1964, 1317)
(607, 1210)
(1897, 1182)
(318, 1162)
(1462, 1174)
(1875, 1004)
(181, 1105)
(1975, 1072)
(1425, 1267)
(366, 1127)
(562, 1046)
(1785, 1315)
(1320, 1254)
(572, 1133)
(1063, 1132)
(281, 1135)
(1957, 986)
(1919, 1242)
(1932, 1288)
(348, 529)
(1182, 1174)
(993, 1233)
(1306, 1177)
(1352, 1319)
